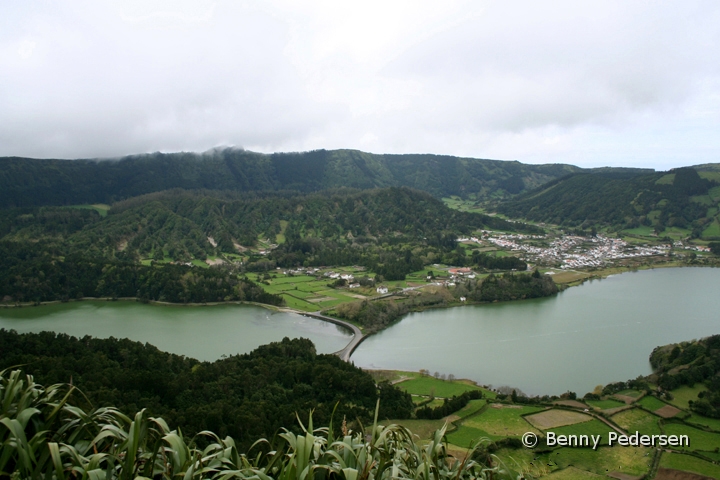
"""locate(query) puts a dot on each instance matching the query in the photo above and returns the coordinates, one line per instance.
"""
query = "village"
(571, 251)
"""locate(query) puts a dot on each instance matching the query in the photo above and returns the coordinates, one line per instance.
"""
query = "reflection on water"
(205, 333)
(597, 333)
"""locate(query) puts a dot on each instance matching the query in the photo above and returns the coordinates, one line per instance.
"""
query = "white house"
(382, 290)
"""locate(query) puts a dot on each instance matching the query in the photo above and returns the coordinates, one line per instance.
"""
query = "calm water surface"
(597, 333)
(204, 333)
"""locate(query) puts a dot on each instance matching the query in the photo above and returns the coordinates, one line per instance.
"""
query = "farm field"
(604, 404)
(471, 408)
(699, 439)
(682, 395)
(554, 418)
(421, 429)
(572, 473)
(431, 386)
(505, 421)
(713, 423)
(651, 403)
(637, 420)
(591, 427)
(629, 393)
(101, 208)
(307, 293)
(629, 460)
(689, 463)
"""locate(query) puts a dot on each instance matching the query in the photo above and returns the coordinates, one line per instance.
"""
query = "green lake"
(205, 333)
(600, 332)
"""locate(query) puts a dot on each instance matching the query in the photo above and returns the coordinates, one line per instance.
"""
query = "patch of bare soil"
(670, 474)
(667, 411)
(625, 398)
(217, 261)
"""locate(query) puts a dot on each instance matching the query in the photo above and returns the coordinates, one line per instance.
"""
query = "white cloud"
(619, 83)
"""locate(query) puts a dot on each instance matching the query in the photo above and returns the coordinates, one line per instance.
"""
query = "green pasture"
(637, 420)
(682, 395)
(298, 304)
(699, 439)
(605, 404)
(297, 279)
(101, 208)
(630, 393)
(427, 386)
(436, 402)
(503, 422)
(702, 200)
(713, 423)
(651, 403)
(713, 230)
(456, 203)
(471, 408)
(592, 427)
(715, 456)
(666, 179)
(571, 473)
(421, 429)
(689, 463)
(675, 233)
(523, 459)
(465, 436)
(715, 193)
(643, 231)
(629, 460)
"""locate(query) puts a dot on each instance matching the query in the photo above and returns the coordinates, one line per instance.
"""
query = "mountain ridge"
(34, 182)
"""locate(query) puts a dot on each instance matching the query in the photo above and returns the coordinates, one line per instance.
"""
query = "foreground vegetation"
(245, 396)
(269, 386)
(45, 436)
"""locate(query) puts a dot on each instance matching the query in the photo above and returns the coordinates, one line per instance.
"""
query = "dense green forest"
(683, 197)
(510, 286)
(689, 363)
(37, 272)
(245, 396)
(31, 182)
(59, 252)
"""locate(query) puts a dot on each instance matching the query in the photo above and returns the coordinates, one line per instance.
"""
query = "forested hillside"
(690, 363)
(52, 253)
(31, 182)
(247, 396)
(682, 198)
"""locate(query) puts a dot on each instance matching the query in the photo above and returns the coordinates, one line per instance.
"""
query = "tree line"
(248, 396)
(32, 182)
(35, 272)
(659, 200)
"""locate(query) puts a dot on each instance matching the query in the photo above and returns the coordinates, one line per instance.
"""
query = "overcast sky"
(587, 83)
